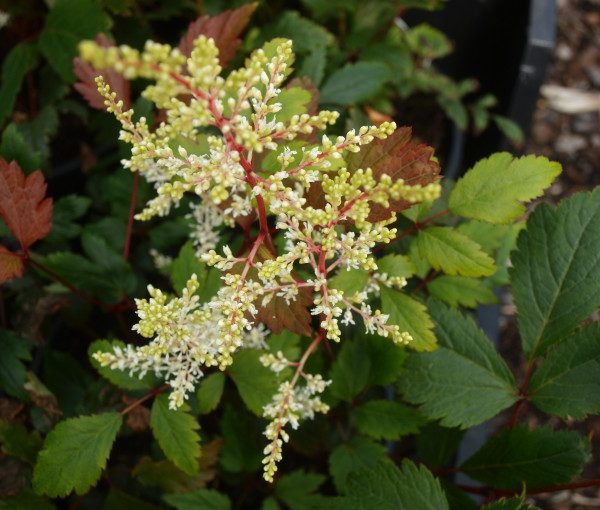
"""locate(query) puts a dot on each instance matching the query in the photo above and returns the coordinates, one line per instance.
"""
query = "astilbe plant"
(331, 218)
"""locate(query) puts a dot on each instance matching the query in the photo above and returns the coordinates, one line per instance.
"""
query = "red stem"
(132, 204)
(523, 393)
(151, 394)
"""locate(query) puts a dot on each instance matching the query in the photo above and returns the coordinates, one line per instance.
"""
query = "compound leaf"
(461, 291)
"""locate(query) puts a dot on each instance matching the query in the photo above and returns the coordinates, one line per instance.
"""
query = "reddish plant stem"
(132, 204)
(151, 394)
(523, 392)
(426, 281)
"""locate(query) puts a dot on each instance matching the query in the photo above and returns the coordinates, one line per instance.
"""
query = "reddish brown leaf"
(11, 265)
(225, 29)
(400, 158)
(23, 205)
(277, 314)
(86, 85)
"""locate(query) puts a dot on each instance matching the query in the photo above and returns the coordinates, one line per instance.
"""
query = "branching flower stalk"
(231, 186)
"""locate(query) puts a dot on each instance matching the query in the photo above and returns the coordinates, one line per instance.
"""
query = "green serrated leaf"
(567, 383)
(509, 504)
(354, 83)
(386, 359)
(357, 454)
(14, 147)
(534, 458)
(206, 499)
(494, 188)
(242, 441)
(387, 487)
(67, 23)
(209, 392)
(461, 291)
(119, 378)
(177, 434)
(293, 101)
(386, 419)
(64, 213)
(185, 265)
(396, 265)
(411, 316)
(350, 371)
(297, 490)
(255, 382)
(464, 382)
(436, 444)
(454, 253)
(350, 281)
(509, 128)
(75, 453)
(556, 270)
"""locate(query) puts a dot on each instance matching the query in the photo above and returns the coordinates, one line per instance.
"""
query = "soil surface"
(573, 139)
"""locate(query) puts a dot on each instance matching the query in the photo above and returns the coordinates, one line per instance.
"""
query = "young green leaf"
(454, 253)
(534, 458)
(75, 453)
(509, 504)
(494, 188)
(254, 381)
(354, 83)
(209, 392)
(386, 419)
(350, 281)
(206, 499)
(411, 316)
(464, 382)
(567, 383)
(556, 270)
(357, 454)
(396, 265)
(177, 434)
(461, 291)
(294, 101)
(387, 487)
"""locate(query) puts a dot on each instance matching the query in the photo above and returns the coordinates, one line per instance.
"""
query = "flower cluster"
(320, 209)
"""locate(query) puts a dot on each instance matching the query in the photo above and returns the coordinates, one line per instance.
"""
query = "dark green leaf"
(556, 270)
(205, 499)
(297, 490)
(185, 265)
(15, 147)
(357, 454)
(209, 392)
(13, 350)
(354, 83)
(21, 59)
(18, 442)
(464, 382)
(350, 371)
(386, 359)
(534, 458)
(242, 441)
(461, 291)
(255, 382)
(386, 419)
(437, 444)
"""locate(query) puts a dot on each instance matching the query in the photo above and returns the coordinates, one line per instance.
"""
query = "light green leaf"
(176, 433)
(119, 378)
(255, 382)
(205, 499)
(509, 504)
(350, 281)
(461, 291)
(350, 371)
(13, 351)
(293, 101)
(464, 382)
(75, 453)
(411, 316)
(354, 83)
(387, 487)
(494, 188)
(67, 23)
(354, 455)
(386, 419)
(454, 253)
(557, 270)
(510, 129)
(428, 42)
(567, 383)
(396, 265)
(21, 59)
(534, 458)
(297, 490)
(209, 392)
(185, 265)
